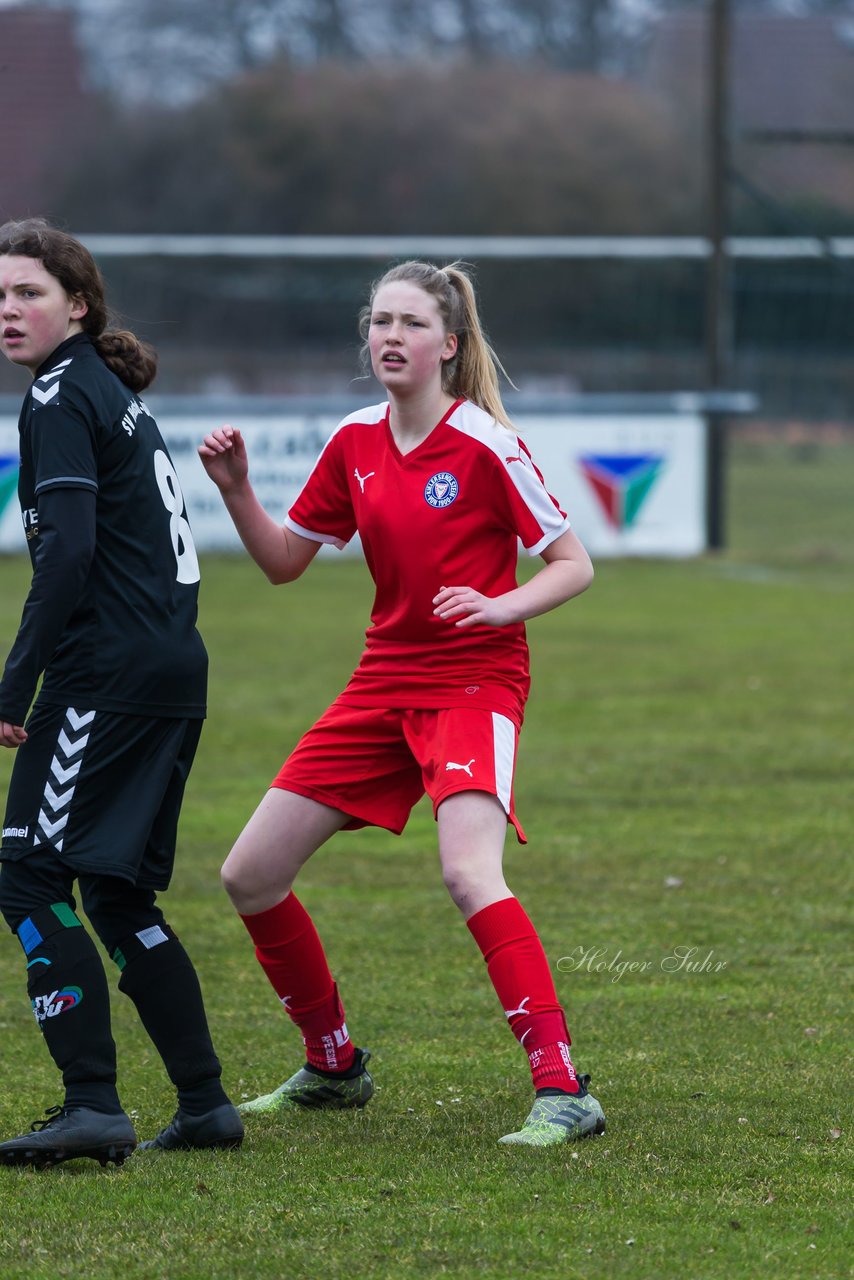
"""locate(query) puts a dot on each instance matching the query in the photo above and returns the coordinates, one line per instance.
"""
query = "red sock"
(522, 979)
(292, 956)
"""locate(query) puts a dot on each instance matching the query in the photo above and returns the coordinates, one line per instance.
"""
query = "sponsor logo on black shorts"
(15, 833)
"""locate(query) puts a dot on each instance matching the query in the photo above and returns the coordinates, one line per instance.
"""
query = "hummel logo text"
(15, 833)
(466, 768)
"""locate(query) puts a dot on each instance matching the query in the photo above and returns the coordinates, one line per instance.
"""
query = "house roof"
(788, 73)
(42, 103)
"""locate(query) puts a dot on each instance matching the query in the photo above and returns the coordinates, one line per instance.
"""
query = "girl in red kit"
(439, 488)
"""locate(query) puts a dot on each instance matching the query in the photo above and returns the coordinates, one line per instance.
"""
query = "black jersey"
(128, 640)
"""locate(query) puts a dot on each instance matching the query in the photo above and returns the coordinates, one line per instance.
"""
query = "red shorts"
(375, 764)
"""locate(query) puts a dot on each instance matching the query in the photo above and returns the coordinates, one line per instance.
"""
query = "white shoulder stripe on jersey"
(314, 537)
(526, 479)
(477, 423)
(370, 416)
(548, 538)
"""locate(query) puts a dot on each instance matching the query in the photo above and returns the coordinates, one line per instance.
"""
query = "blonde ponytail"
(474, 370)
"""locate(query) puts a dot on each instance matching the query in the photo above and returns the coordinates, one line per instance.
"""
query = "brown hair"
(472, 373)
(71, 263)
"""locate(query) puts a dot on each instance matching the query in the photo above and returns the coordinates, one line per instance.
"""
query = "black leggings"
(159, 979)
(115, 907)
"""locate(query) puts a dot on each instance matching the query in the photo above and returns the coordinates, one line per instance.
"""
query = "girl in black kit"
(97, 785)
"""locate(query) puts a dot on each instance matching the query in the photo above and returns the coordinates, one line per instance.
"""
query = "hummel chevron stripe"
(78, 721)
(55, 801)
(72, 748)
(44, 396)
(55, 371)
(49, 829)
(56, 805)
(64, 775)
(48, 394)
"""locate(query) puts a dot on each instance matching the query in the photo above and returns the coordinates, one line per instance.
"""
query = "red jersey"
(448, 513)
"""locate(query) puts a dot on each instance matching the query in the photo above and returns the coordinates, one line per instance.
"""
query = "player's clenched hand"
(223, 455)
(11, 735)
(466, 607)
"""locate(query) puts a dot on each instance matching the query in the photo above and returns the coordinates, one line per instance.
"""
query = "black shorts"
(102, 790)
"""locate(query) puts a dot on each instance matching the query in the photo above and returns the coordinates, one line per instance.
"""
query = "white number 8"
(173, 500)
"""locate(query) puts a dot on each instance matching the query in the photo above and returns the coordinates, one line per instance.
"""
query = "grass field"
(685, 782)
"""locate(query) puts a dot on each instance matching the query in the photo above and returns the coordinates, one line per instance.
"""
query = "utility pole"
(718, 276)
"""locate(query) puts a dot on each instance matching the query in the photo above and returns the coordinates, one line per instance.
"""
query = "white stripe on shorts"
(65, 766)
(504, 747)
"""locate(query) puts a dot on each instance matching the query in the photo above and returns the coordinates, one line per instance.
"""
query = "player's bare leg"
(280, 837)
(472, 827)
(277, 841)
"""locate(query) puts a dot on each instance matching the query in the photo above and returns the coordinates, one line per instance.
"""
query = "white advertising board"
(632, 485)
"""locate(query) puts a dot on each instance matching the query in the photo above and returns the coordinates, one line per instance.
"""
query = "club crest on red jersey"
(441, 489)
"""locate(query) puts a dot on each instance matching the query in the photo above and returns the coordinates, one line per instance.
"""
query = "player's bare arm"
(566, 573)
(280, 553)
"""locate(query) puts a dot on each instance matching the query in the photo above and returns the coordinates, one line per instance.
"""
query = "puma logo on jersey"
(42, 389)
(362, 479)
(466, 768)
(511, 1013)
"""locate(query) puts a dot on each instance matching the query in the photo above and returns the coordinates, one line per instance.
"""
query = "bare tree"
(173, 50)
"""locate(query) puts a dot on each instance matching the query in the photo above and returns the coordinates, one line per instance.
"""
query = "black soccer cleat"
(70, 1133)
(221, 1128)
